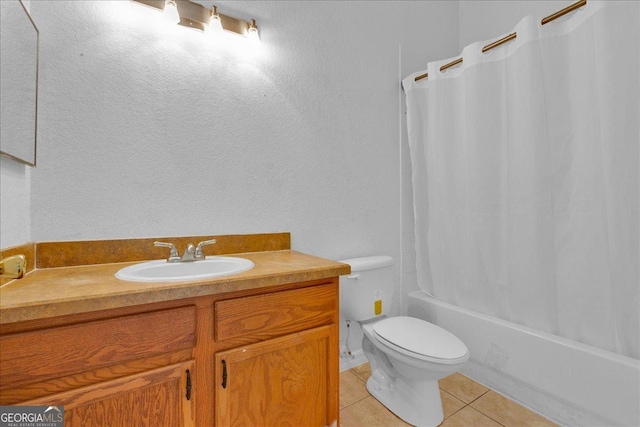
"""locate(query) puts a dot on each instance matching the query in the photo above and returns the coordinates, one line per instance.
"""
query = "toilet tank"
(366, 293)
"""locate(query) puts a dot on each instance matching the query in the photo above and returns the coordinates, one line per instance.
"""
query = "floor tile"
(352, 389)
(363, 371)
(469, 417)
(465, 403)
(508, 412)
(450, 404)
(369, 413)
(462, 387)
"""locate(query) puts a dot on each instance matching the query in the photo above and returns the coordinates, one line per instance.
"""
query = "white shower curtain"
(525, 177)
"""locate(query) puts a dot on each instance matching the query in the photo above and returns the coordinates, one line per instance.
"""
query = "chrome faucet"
(191, 252)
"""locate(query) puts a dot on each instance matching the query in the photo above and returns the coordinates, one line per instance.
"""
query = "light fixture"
(252, 32)
(171, 12)
(196, 16)
(215, 23)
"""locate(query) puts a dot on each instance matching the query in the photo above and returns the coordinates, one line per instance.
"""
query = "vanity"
(256, 348)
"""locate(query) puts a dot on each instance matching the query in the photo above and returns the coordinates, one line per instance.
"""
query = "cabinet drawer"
(260, 317)
(56, 352)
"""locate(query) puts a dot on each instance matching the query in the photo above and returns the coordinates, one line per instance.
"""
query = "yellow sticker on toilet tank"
(377, 302)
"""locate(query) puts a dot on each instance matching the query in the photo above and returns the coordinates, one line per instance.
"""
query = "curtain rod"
(511, 36)
(499, 42)
(421, 76)
(563, 12)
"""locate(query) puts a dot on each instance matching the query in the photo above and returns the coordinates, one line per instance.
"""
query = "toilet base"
(416, 402)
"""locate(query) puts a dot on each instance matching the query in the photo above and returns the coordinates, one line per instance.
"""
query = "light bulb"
(215, 23)
(171, 12)
(252, 32)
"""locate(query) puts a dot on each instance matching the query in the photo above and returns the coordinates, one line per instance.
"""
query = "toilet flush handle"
(353, 276)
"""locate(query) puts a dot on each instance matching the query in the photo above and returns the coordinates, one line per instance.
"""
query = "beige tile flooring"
(465, 403)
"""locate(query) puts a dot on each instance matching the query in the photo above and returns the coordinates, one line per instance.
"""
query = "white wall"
(15, 200)
(144, 132)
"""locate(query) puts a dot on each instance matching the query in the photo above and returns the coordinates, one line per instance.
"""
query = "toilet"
(407, 355)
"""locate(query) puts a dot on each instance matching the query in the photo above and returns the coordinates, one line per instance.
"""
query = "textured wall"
(15, 213)
(146, 132)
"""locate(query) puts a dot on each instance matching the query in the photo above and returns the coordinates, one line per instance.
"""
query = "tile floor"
(465, 403)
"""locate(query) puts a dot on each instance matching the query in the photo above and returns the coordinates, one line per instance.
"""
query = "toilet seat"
(420, 339)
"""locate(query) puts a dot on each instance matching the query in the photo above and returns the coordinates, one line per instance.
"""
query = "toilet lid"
(420, 337)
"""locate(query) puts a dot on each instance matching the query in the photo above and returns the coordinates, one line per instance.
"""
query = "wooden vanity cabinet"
(286, 370)
(164, 364)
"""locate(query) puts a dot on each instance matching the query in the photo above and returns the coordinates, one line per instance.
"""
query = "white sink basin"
(163, 271)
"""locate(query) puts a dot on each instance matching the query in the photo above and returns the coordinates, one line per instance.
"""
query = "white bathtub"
(571, 383)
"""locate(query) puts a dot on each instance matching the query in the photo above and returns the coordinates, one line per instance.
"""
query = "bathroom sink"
(163, 271)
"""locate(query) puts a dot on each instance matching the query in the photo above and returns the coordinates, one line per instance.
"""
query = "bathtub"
(573, 384)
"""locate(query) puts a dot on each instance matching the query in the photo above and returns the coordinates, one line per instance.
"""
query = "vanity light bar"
(194, 15)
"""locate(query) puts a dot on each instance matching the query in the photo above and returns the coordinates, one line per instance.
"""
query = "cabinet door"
(290, 380)
(154, 398)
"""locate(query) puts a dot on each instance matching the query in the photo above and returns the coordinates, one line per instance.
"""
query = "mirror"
(18, 82)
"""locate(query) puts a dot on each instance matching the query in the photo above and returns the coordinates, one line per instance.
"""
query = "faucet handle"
(199, 254)
(173, 254)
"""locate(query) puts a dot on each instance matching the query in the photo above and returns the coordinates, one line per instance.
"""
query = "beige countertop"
(51, 292)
